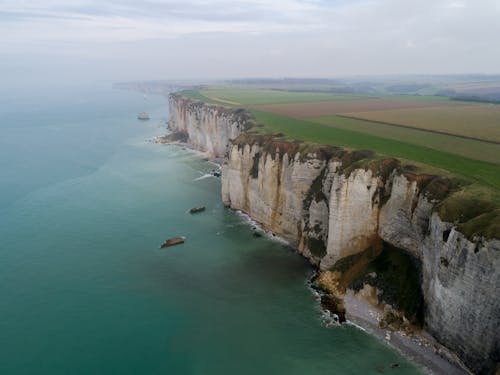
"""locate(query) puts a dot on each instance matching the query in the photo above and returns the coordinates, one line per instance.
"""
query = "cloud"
(260, 37)
(154, 18)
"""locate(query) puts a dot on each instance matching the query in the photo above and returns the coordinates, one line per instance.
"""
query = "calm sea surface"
(85, 201)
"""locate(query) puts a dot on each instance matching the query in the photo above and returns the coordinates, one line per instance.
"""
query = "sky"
(194, 39)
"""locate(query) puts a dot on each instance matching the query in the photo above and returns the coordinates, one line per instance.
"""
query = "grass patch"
(486, 225)
(474, 209)
(197, 95)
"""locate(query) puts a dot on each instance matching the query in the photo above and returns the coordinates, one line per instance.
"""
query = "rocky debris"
(395, 321)
(197, 209)
(216, 172)
(172, 241)
(334, 305)
(175, 137)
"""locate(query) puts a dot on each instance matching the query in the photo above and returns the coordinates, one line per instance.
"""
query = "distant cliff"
(343, 209)
(209, 128)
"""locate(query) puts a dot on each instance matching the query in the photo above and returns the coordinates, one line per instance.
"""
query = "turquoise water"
(84, 203)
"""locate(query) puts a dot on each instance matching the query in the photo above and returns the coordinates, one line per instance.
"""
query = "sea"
(85, 201)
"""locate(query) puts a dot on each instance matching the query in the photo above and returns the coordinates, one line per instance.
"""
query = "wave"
(206, 175)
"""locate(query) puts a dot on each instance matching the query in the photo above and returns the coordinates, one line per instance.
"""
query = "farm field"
(297, 129)
(320, 109)
(255, 97)
(474, 121)
(469, 148)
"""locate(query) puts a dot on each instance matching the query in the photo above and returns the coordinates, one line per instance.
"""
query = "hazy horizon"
(193, 39)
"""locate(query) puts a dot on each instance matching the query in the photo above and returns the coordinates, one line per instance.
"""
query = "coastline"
(419, 348)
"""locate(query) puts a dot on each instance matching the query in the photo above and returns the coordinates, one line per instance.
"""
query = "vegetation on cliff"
(392, 271)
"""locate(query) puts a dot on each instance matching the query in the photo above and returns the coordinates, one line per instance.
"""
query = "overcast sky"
(162, 39)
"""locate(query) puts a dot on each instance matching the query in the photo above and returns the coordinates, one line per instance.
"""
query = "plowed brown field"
(478, 122)
(321, 109)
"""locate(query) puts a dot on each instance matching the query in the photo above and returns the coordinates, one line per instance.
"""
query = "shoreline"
(419, 348)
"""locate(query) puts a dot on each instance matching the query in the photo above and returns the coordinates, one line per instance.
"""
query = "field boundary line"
(417, 128)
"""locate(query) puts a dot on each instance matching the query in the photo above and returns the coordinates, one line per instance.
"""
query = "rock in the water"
(197, 209)
(216, 172)
(172, 241)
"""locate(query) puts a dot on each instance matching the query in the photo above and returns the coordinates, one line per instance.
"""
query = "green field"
(249, 97)
(254, 97)
(468, 148)
(195, 94)
(484, 172)
(474, 121)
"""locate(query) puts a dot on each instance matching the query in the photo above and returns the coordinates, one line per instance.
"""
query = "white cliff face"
(461, 285)
(462, 298)
(329, 214)
(271, 187)
(353, 215)
(209, 128)
(404, 218)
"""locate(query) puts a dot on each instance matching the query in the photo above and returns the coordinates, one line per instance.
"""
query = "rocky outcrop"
(333, 205)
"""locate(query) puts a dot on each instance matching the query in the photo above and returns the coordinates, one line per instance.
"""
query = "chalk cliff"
(209, 128)
(333, 205)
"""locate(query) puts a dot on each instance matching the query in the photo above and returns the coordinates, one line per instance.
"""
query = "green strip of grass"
(197, 95)
(483, 172)
(468, 148)
(252, 97)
